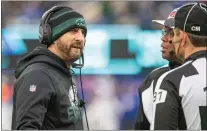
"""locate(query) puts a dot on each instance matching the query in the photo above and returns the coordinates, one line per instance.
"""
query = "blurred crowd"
(103, 12)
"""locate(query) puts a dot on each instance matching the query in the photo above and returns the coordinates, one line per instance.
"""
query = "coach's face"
(71, 44)
(167, 47)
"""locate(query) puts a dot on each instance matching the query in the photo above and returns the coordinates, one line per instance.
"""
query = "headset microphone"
(79, 66)
(172, 52)
(82, 102)
(171, 42)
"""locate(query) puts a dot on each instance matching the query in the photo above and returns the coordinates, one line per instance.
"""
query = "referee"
(145, 91)
(180, 94)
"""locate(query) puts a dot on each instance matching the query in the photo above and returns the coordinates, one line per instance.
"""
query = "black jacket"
(145, 93)
(45, 96)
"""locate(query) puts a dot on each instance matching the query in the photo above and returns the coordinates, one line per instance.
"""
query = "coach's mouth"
(77, 47)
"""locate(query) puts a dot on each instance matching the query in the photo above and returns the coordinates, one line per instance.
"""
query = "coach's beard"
(74, 56)
(69, 51)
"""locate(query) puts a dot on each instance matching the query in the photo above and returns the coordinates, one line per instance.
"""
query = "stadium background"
(122, 48)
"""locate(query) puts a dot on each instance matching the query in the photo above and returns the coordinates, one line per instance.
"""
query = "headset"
(45, 37)
(44, 28)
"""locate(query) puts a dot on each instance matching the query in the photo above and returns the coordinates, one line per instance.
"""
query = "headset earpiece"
(44, 28)
(49, 33)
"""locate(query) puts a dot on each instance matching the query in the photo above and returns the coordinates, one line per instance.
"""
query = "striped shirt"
(145, 93)
(180, 96)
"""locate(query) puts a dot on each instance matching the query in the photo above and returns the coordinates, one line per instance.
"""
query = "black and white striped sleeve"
(165, 106)
(146, 90)
(141, 121)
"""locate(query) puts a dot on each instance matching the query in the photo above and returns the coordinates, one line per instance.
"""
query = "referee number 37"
(159, 96)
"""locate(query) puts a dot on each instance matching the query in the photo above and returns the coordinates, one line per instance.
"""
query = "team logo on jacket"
(32, 88)
(74, 112)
